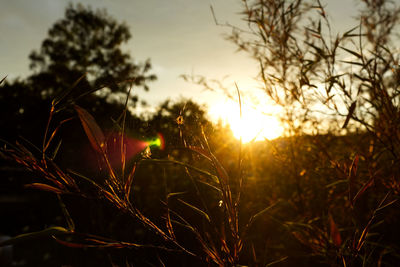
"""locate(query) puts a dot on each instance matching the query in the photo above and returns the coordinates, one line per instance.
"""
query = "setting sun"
(253, 125)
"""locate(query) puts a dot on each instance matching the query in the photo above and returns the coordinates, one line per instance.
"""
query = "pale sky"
(179, 36)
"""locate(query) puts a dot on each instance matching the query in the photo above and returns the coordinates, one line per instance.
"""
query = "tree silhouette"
(86, 41)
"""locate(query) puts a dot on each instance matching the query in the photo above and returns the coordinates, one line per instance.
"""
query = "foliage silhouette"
(328, 83)
(86, 42)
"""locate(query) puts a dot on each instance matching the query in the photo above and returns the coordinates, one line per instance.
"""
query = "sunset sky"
(179, 36)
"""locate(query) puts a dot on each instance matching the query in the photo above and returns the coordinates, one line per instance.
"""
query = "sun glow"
(253, 125)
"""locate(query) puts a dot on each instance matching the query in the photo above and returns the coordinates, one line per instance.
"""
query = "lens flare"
(157, 142)
(130, 148)
(122, 148)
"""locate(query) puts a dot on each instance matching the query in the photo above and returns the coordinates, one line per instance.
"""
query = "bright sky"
(179, 36)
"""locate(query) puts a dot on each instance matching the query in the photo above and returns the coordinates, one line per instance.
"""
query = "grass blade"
(277, 261)
(56, 230)
(129, 181)
(175, 194)
(197, 210)
(70, 222)
(351, 52)
(61, 96)
(2, 80)
(210, 186)
(352, 178)
(54, 154)
(45, 187)
(369, 183)
(349, 32)
(335, 234)
(351, 111)
(161, 161)
(92, 129)
(260, 213)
